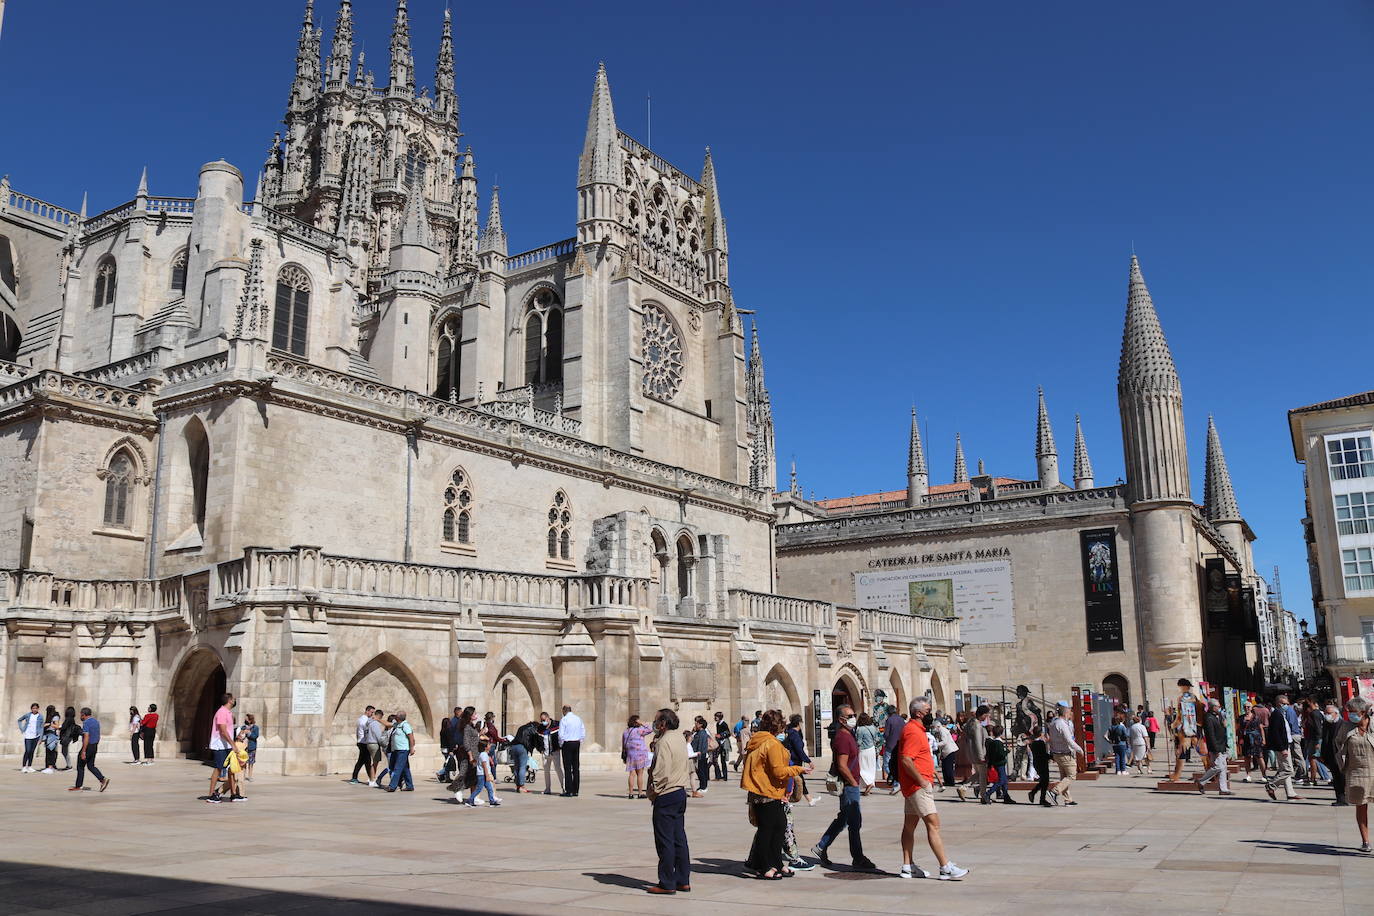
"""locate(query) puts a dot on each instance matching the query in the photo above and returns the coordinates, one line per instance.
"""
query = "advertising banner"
(978, 593)
(1216, 597)
(1102, 591)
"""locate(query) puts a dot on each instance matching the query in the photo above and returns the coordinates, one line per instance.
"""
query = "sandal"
(764, 876)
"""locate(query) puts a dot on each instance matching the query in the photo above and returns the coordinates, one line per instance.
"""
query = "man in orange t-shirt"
(916, 776)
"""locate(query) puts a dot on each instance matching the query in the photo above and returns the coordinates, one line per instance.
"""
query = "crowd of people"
(56, 733)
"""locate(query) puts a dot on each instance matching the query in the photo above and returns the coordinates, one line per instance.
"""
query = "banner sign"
(1216, 597)
(978, 593)
(1102, 590)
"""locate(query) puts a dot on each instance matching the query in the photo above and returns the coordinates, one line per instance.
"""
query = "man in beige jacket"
(669, 775)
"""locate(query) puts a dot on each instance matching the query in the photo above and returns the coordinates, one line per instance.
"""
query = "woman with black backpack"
(70, 731)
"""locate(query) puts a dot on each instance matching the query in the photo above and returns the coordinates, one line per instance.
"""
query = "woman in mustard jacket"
(767, 768)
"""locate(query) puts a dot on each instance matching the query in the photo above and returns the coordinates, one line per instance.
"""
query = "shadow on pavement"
(617, 880)
(1319, 849)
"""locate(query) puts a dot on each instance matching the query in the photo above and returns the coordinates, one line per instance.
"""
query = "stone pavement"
(316, 844)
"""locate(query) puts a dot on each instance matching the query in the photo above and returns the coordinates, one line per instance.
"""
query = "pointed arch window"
(179, 272)
(686, 560)
(544, 339)
(291, 320)
(106, 276)
(559, 540)
(417, 167)
(448, 359)
(119, 479)
(458, 508)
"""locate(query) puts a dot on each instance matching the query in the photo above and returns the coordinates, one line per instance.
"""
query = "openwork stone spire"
(601, 147)
(445, 99)
(307, 58)
(915, 451)
(960, 465)
(715, 221)
(759, 409)
(1044, 435)
(494, 236)
(341, 49)
(1219, 499)
(402, 61)
(1151, 400)
(415, 228)
(250, 320)
(1082, 464)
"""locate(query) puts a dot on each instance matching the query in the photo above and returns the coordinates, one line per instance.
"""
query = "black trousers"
(670, 839)
(572, 768)
(88, 763)
(947, 764)
(703, 770)
(133, 746)
(1337, 779)
(1044, 782)
(720, 759)
(50, 756)
(766, 852)
(149, 735)
(363, 760)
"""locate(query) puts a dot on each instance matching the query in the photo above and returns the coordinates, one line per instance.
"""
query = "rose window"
(662, 355)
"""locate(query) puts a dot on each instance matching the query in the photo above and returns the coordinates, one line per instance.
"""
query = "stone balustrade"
(909, 626)
(760, 607)
(283, 222)
(661, 165)
(535, 255)
(49, 382)
(12, 372)
(11, 199)
(44, 591)
(196, 369)
(138, 364)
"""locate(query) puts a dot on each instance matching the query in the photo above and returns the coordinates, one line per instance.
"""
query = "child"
(237, 762)
(997, 758)
(251, 733)
(486, 775)
(1040, 759)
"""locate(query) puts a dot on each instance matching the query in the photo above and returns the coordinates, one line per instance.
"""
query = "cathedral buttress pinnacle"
(494, 235)
(960, 465)
(600, 148)
(445, 98)
(917, 474)
(341, 50)
(1082, 464)
(402, 61)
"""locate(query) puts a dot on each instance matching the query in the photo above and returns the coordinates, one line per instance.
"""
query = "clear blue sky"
(930, 202)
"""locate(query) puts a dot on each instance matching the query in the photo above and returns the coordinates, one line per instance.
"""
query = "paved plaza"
(316, 844)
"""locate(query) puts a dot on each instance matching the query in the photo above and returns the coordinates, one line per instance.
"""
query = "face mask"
(1330, 717)
(851, 721)
(927, 720)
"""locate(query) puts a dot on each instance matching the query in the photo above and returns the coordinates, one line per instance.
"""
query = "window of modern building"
(1350, 457)
(1367, 635)
(118, 481)
(106, 276)
(1358, 567)
(291, 321)
(1353, 512)
(458, 508)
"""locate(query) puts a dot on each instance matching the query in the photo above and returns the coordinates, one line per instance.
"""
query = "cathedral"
(325, 442)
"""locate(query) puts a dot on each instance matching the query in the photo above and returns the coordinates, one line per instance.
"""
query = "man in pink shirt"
(221, 743)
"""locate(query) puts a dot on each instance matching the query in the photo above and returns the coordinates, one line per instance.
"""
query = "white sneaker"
(47, 770)
(1246, 779)
(372, 785)
(952, 872)
(702, 791)
(913, 871)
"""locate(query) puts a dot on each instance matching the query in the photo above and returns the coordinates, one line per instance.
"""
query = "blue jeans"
(400, 770)
(999, 787)
(482, 782)
(1119, 750)
(850, 817)
(30, 746)
(519, 756)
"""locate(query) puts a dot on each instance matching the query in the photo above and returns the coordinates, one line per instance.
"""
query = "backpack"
(385, 744)
(712, 745)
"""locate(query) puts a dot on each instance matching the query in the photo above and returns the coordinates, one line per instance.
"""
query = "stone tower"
(1158, 491)
(1046, 452)
(917, 474)
(1219, 499)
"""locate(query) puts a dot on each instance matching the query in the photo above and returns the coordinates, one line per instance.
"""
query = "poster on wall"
(1216, 596)
(1102, 590)
(978, 593)
(307, 698)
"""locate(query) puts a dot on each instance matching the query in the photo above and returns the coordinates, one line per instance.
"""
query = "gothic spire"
(915, 451)
(1219, 499)
(1046, 452)
(755, 357)
(468, 233)
(715, 222)
(252, 303)
(341, 50)
(759, 410)
(960, 465)
(402, 61)
(1082, 465)
(445, 99)
(792, 480)
(143, 183)
(601, 146)
(1145, 358)
(494, 236)
(415, 225)
(307, 57)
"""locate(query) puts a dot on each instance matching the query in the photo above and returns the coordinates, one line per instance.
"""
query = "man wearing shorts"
(221, 743)
(916, 777)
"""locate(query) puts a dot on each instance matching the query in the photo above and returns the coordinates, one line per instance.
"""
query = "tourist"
(234, 765)
(742, 735)
(365, 754)
(1064, 750)
(669, 777)
(892, 736)
(373, 742)
(70, 731)
(1290, 715)
(766, 772)
(795, 742)
(571, 732)
(135, 732)
(1139, 737)
(221, 742)
(463, 738)
(150, 720)
(721, 761)
(387, 724)
(997, 759)
(1251, 742)
(90, 745)
(914, 769)
(757, 721)
(31, 730)
(973, 739)
(1214, 731)
(1356, 753)
(1185, 727)
(700, 741)
(1311, 718)
(949, 751)
(52, 722)
(491, 732)
(402, 746)
(1335, 728)
(552, 753)
(844, 753)
(1120, 739)
(1040, 760)
(1279, 741)
(869, 737)
(251, 734)
(635, 754)
(1151, 726)
(486, 776)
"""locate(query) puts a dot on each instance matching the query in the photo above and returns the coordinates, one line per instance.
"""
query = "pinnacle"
(715, 220)
(1145, 358)
(1044, 435)
(415, 228)
(600, 148)
(494, 236)
(1219, 499)
(915, 451)
(960, 465)
(1082, 464)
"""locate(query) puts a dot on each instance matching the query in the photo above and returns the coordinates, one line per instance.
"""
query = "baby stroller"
(504, 758)
(445, 775)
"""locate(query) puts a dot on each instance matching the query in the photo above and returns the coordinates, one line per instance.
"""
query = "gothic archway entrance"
(196, 692)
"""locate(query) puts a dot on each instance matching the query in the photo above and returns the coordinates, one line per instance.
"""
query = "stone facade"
(335, 432)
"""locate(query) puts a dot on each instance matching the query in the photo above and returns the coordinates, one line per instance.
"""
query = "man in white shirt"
(364, 755)
(31, 728)
(571, 731)
(1064, 750)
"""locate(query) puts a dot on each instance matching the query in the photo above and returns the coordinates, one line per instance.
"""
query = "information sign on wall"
(307, 698)
(978, 594)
